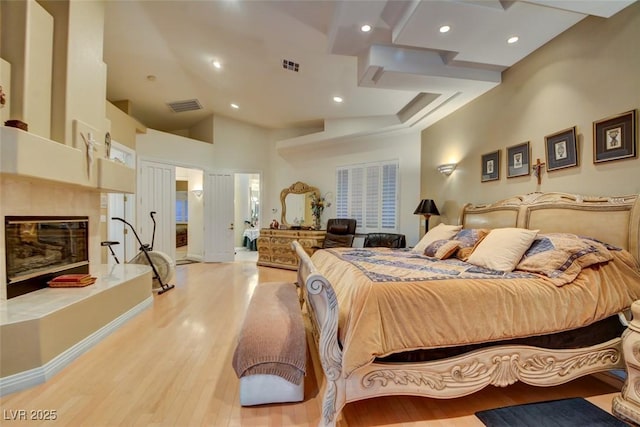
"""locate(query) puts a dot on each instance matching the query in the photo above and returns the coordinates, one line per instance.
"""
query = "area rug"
(555, 413)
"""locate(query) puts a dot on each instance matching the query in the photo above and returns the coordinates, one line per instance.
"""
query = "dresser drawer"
(274, 246)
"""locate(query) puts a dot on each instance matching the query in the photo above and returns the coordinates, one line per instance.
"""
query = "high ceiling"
(402, 73)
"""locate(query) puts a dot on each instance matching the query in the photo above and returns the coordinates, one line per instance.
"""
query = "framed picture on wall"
(490, 166)
(518, 163)
(561, 149)
(614, 138)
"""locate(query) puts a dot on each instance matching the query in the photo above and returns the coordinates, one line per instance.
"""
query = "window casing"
(369, 193)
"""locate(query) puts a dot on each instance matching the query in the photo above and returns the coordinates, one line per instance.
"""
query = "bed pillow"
(442, 249)
(469, 238)
(562, 256)
(439, 232)
(502, 248)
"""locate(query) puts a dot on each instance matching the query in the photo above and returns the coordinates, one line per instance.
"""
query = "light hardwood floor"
(171, 366)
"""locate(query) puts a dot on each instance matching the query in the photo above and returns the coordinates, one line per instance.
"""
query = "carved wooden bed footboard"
(498, 365)
(627, 405)
(450, 378)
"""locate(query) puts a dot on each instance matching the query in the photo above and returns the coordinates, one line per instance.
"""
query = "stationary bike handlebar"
(153, 237)
(131, 227)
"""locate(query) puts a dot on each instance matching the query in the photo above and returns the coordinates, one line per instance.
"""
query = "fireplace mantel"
(29, 155)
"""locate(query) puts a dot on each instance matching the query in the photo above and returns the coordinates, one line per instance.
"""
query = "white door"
(122, 206)
(157, 192)
(218, 217)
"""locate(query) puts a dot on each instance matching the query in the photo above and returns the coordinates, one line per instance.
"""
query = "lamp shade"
(427, 207)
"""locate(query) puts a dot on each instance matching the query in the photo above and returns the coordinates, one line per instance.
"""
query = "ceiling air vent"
(290, 65)
(182, 106)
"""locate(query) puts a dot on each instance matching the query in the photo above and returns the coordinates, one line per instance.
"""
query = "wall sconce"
(447, 169)
(197, 193)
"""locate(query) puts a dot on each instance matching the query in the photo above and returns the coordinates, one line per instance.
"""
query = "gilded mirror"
(296, 205)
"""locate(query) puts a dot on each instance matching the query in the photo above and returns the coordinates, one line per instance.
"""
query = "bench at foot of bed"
(270, 358)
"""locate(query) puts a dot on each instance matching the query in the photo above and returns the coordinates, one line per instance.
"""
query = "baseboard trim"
(195, 257)
(39, 375)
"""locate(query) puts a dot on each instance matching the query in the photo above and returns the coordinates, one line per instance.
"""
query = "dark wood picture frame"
(490, 166)
(561, 149)
(518, 160)
(614, 138)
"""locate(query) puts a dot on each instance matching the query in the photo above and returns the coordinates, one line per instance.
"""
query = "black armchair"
(340, 233)
(341, 226)
(387, 240)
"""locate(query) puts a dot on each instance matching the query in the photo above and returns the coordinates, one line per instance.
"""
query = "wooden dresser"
(274, 246)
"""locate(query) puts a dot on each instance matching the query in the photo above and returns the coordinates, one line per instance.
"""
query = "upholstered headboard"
(615, 220)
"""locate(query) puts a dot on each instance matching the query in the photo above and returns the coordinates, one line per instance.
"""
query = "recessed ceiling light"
(234, 106)
(513, 39)
(337, 99)
(445, 29)
(216, 64)
(365, 28)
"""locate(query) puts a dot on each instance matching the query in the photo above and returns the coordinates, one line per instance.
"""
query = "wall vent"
(187, 105)
(290, 65)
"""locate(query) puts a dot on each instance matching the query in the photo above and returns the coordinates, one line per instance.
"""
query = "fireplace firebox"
(40, 248)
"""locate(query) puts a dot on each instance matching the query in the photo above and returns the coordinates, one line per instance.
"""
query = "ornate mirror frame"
(295, 188)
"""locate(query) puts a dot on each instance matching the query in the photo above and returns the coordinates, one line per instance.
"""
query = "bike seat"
(109, 243)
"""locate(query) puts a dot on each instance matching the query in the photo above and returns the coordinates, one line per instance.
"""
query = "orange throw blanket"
(272, 339)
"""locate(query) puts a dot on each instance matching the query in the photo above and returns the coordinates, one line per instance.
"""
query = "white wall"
(316, 166)
(173, 149)
(237, 147)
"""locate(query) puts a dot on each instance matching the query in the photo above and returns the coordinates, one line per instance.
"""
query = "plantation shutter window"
(369, 193)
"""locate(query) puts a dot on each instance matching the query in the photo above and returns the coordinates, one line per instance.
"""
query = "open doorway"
(214, 208)
(189, 216)
(247, 216)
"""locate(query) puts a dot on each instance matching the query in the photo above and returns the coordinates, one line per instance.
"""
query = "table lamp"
(427, 207)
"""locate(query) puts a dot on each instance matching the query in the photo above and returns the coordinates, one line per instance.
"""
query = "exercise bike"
(162, 265)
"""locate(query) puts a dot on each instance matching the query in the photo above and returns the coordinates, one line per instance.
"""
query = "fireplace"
(40, 248)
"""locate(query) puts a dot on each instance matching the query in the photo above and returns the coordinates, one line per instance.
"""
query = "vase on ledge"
(316, 222)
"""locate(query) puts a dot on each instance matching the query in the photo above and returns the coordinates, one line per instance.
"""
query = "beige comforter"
(392, 301)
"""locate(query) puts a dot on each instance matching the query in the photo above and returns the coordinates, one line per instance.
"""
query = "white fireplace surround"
(40, 177)
(27, 197)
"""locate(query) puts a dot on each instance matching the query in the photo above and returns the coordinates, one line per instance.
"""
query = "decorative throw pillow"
(562, 256)
(469, 238)
(502, 248)
(439, 232)
(442, 249)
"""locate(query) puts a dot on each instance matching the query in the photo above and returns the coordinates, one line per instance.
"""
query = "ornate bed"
(362, 363)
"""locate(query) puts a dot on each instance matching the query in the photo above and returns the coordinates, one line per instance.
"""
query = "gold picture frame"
(614, 138)
(561, 149)
(490, 166)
